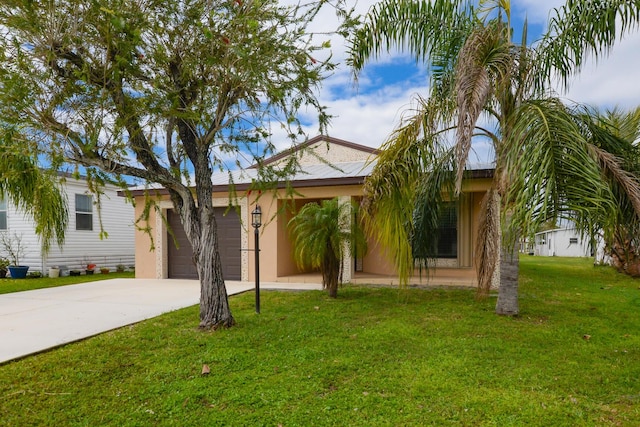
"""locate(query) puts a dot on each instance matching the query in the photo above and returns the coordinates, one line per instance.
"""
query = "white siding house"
(562, 242)
(82, 242)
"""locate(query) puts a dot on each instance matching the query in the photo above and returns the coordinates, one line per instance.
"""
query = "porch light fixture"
(256, 218)
(256, 221)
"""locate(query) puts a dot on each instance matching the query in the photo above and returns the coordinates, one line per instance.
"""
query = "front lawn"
(373, 357)
(17, 285)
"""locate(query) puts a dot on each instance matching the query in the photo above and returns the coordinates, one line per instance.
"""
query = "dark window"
(3, 214)
(84, 212)
(448, 232)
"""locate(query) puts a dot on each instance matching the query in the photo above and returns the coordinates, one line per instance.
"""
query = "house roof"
(347, 173)
(312, 175)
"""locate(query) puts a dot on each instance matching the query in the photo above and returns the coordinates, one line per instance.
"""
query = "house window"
(448, 232)
(443, 242)
(3, 214)
(84, 212)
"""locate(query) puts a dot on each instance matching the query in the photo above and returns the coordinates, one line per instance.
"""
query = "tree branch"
(173, 162)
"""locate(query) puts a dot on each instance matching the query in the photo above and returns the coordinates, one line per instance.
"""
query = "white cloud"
(368, 119)
(368, 113)
(615, 80)
(536, 11)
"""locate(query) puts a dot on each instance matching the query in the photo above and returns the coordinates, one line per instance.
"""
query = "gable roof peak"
(331, 141)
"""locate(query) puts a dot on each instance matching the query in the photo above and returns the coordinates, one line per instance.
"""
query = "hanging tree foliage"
(164, 91)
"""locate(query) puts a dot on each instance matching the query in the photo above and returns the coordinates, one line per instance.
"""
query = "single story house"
(566, 242)
(349, 165)
(83, 244)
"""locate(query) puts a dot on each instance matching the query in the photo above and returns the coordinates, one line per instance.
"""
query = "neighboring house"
(349, 165)
(82, 241)
(562, 242)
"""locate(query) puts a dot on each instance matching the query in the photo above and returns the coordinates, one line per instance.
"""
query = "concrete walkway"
(41, 319)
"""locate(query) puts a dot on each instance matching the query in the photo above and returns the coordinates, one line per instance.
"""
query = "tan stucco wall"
(275, 246)
(145, 258)
(286, 263)
(276, 250)
(268, 235)
(377, 261)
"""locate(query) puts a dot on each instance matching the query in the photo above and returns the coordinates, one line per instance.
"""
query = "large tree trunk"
(507, 304)
(199, 223)
(214, 303)
(624, 256)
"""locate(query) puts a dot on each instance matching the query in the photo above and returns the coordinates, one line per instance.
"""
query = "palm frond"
(390, 191)
(435, 187)
(552, 167)
(427, 29)
(484, 59)
(625, 125)
(583, 29)
(487, 251)
(619, 160)
(616, 175)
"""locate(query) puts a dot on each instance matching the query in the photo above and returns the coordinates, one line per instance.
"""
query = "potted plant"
(90, 267)
(120, 268)
(54, 271)
(4, 263)
(104, 270)
(14, 248)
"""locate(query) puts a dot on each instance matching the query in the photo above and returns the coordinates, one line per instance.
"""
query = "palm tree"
(547, 164)
(620, 227)
(323, 234)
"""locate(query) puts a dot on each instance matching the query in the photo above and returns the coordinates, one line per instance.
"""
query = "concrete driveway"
(41, 319)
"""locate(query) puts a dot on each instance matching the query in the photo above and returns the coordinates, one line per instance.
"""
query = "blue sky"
(367, 113)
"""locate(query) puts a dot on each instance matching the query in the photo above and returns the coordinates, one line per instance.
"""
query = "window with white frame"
(3, 214)
(84, 212)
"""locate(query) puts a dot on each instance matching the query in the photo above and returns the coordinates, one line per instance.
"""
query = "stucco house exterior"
(349, 165)
(82, 243)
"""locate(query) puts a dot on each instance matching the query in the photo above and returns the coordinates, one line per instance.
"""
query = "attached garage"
(180, 260)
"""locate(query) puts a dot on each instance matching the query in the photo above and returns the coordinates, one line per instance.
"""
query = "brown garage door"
(180, 259)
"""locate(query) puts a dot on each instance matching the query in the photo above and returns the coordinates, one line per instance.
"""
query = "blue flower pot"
(18, 271)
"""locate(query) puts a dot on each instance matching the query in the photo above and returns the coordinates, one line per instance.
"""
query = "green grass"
(373, 357)
(17, 285)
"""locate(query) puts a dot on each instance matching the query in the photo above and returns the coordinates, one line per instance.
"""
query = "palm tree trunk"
(330, 274)
(507, 304)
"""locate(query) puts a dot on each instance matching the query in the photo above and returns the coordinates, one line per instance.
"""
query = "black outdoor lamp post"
(256, 221)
